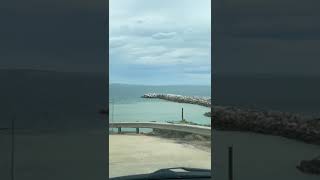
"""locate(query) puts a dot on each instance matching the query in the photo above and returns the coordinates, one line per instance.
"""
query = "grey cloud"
(139, 21)
(163, 35)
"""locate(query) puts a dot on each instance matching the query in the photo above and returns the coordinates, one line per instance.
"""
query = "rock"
(203, 101)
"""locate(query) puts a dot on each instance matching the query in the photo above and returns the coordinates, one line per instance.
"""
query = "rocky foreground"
(283, 124)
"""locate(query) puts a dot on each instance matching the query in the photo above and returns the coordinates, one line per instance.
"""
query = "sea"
(126, 104)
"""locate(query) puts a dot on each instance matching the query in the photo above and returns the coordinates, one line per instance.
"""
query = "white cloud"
(147, 51)
(162, 55)
(172, 57)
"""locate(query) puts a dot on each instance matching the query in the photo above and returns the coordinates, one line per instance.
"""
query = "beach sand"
(138, 154)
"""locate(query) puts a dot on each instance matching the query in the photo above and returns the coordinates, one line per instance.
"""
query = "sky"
(160, 42)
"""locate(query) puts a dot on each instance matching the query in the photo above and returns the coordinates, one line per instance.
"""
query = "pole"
(230, 163)
(182, 114)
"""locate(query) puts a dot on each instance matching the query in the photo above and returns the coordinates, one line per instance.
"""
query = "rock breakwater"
(202, 101)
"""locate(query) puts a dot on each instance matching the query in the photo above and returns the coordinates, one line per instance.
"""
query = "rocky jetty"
(202, 101)
(289, 125)
(283, 124)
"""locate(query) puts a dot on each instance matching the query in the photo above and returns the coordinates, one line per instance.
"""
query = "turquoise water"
(158, 110)
(126, 104)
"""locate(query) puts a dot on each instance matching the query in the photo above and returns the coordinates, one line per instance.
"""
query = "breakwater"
(202, 101)
(289, 125)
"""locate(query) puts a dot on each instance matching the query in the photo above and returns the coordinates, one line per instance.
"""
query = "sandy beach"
(138, 154)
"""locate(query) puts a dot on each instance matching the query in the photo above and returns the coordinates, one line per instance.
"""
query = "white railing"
(195, 129)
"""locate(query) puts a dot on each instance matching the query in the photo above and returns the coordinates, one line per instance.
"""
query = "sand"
(138, 154)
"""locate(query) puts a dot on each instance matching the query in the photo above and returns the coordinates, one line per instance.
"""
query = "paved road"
(136, 154)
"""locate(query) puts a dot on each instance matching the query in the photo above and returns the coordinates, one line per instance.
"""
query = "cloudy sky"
(160, 42)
